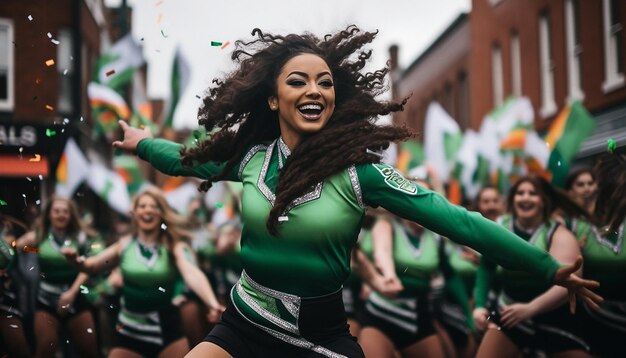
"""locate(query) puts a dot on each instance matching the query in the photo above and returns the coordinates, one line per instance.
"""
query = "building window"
(516, 65)
(574, 49)
(464, 102)
(7, 68)
(613, 46)
(66, 71)
(496, 75)
(548, 105)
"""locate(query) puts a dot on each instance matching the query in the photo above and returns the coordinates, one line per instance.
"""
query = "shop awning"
(26, 166)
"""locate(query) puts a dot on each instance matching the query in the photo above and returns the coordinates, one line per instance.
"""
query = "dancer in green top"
(303, 149)
(59, 300)
(151, 261)
(531, 314)
(605, 259)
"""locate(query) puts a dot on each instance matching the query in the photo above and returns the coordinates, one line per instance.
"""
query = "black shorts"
(169, 322)
(552, 332)
(79, 305)
(453, 319)
(401, 337)
(605, 333)
(322, 322)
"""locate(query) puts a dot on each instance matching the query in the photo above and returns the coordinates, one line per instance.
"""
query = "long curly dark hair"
(242, 99)
(611, 198)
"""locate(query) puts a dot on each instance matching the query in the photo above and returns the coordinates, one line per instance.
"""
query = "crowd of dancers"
(328, 252)
(159, 287)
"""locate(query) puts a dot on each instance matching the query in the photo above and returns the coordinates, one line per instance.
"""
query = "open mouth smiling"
(311, 111)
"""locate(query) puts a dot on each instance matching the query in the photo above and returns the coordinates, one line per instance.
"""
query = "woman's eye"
(326, 83)
(296, 83)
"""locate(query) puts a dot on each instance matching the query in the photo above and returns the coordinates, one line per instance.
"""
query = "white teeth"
(311, 107)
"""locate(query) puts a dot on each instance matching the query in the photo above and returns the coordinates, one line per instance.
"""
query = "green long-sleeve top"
(310, 256)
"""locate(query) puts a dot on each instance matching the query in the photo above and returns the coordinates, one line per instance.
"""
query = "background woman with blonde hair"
(151, 260)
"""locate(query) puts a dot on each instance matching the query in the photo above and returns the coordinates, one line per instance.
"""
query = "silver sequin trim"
(298, 342)
(271, 197)
(615, 247)
(291, 302)
(261, 182)
(356, 186)
(249, 156)
(282, 146)
(265, 313)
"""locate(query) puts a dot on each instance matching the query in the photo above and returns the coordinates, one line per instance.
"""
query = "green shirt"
(605, 262)
(311, 254)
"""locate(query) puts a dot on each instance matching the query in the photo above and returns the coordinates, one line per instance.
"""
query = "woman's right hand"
(480, 316)
(71, 255)
(389, 287)
(132, 137)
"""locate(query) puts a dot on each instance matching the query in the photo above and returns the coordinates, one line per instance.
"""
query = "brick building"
(47, 52)
(551, 51)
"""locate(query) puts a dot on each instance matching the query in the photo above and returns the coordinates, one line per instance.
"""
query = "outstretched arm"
(164, 155)
(105, 260)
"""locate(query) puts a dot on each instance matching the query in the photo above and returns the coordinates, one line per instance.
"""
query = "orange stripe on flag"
(62, 169)
(557, 127)
(515, 140)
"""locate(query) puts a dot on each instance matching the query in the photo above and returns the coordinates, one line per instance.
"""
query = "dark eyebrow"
(306, 75)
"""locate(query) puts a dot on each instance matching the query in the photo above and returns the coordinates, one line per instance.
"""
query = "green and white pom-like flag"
(442, 139)
(110, 187)
(72, 170)
(107, 107)
(181, 75)
(115, 68)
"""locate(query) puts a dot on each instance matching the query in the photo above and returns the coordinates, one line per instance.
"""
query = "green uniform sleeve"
(164, 155)
(382, 185)
(6, 254)
(484, 279)
(454, 284)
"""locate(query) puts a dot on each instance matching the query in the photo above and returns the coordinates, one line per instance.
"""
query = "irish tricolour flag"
(568, 131)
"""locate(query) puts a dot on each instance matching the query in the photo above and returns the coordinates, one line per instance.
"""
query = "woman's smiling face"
(305, 97)
(527, 203)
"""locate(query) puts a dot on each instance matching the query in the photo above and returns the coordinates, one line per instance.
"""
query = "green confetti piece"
(611, 145)
(84, 289)
(50, 132)
(163, 33)
(3, 203)
(219, 205)
(216, 43)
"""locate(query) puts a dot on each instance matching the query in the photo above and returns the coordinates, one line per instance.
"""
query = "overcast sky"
(193, 24)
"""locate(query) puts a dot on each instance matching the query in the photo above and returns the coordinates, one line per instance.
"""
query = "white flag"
(72, 170)
(442, 138)
(111, 187)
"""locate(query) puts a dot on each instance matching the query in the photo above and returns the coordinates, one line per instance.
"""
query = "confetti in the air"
(225, 44)
(283, 218)
(163, 33)
(50, 132)
(37, 81)
(216, 43)
(65, 72)
(13, 243)
(37, 158)
(89, 330)
(49, 107)
(110, 73)
(31, 249)
(119, 328)
(219, 205)
(30, 18)
(163, 226)
(3, 203)
(49, 35)
(159, 18)
(611, 145)
(49, 62)
(161, 289)
(56, 42)
(84, 289)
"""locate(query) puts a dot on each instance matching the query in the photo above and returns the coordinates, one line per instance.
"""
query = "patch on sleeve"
(395, 180)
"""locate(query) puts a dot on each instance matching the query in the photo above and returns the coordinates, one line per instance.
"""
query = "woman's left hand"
(511, 315)
(215, 313)
(577, 286)
(65, 302)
